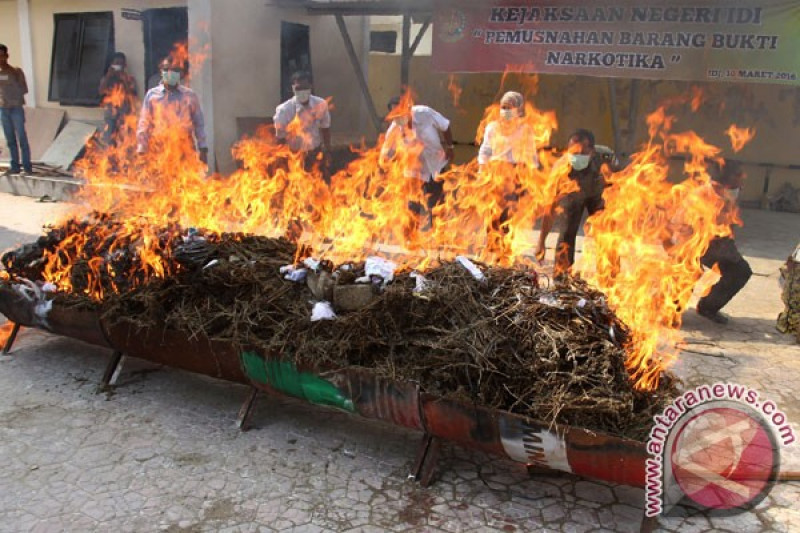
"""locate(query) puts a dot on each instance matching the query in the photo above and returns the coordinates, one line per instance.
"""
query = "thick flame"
(365, 208)
(647, 243)
(487, 210)
(739, 136)
(117, 97)
(644, 247)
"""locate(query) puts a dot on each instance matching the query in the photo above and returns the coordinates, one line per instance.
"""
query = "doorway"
(163, 28)
(295, 54)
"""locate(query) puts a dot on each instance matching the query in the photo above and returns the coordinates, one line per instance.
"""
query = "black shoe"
(11, 172)
(714, 316)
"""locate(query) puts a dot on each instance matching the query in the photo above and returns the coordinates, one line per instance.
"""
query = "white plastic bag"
(378, 267)
(322, 311)
(471, 268)
(292, 273)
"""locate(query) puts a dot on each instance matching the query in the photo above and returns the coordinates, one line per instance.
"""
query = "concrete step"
(59, 188)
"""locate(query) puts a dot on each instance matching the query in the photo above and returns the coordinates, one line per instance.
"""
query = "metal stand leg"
(649, 524)
(113, 368)
(427, 457)
(243, 420)
(11, 339)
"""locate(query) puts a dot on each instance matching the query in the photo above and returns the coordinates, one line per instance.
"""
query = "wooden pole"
(418, 38)
(362, 81)
(633, 115)
(405, 57)
(612, 95)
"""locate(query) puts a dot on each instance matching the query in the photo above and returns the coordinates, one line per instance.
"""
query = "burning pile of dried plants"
(505, 338)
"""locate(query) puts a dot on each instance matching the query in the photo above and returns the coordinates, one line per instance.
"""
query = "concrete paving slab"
(68, 144)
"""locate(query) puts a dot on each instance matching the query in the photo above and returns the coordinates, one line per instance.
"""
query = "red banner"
(712, 40)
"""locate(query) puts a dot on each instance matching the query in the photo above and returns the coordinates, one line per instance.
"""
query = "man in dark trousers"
(722, 251)
(13, 89)
(585, 161)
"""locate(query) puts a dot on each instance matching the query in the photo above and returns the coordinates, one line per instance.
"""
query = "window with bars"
(82, 47)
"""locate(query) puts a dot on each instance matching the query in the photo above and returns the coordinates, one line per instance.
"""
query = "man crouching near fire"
(726, 181)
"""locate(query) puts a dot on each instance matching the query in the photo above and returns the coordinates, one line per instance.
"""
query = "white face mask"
(508, 114)
(400, 121)
(171, 77)
(118, 68)
(579, 161)
(302, 95)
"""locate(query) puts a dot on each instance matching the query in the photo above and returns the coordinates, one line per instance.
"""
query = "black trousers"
(433, 190)
(590, 198)
(314, 158)
(734, 269)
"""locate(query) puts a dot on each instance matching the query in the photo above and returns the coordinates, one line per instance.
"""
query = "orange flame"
(648, 241)
(708, 280)
(365, 208)
(502, 198)
(455, 90)
(739, 136)
(117, 97)
(645, 247)
(698, 97)
(5, 333)
(191, 61)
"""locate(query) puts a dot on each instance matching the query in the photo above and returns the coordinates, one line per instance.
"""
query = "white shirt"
(304, 135)
(426, 124)
(517, 145)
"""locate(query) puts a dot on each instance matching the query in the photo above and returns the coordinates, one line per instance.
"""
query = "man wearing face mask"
(304, 121)
(585, 162)
(508, 146)
(509, 139)
(172, 101)
(727, 180)
(118, 89)
(420, 124)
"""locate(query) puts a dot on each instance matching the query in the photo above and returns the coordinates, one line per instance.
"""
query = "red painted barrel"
(521, 439)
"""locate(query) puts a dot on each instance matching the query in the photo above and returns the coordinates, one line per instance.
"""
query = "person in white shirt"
(303, 122)
(508, 142)
(509, 139)
(425, 125)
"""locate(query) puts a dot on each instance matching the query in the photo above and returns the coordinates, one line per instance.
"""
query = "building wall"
(395, 24)
(128, 38)
(9, 30)
(246, 68)
(240, 42)
(773, 110)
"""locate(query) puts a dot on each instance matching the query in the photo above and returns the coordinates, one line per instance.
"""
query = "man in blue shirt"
(172, 105)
